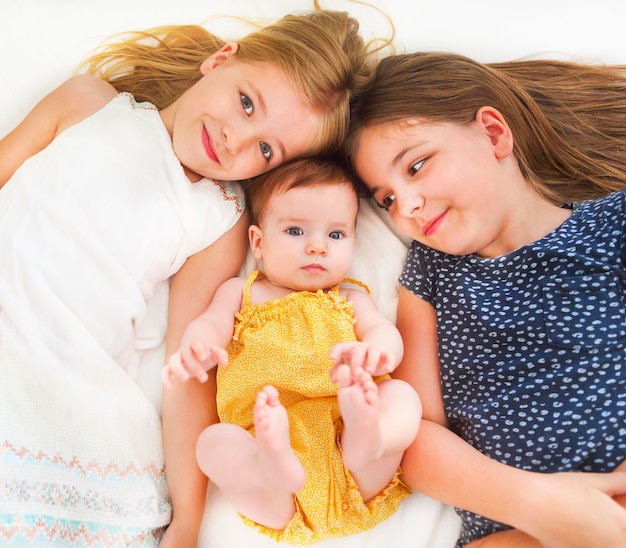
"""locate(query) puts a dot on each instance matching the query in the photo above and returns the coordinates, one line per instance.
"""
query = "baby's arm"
(71, 102)
(205, 338)
(379, 347)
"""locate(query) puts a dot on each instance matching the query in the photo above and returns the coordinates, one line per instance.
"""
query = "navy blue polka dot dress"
(532, 346)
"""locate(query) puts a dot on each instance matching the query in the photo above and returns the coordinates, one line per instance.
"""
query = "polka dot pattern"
(532, 345)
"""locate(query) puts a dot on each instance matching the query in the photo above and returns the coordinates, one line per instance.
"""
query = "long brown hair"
(568, 120)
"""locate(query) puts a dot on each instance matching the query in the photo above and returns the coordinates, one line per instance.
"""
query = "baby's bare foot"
(280, 465)
(361, 441)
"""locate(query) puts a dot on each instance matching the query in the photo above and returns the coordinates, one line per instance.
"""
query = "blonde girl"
(117, 221)
(512, 300)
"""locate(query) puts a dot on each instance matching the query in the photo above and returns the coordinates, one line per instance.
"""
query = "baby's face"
(307, 236)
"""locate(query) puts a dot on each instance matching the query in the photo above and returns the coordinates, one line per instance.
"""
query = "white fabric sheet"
(42, 42)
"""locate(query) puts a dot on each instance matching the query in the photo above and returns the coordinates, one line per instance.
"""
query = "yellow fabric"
(286, 343)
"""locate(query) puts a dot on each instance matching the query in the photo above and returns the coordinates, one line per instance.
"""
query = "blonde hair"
(568, 120)
(320, 51)
(293, 174)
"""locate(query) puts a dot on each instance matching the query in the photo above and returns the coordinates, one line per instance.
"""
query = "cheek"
(285, 252)
(405, 225)
(247, 164)
(344, 259)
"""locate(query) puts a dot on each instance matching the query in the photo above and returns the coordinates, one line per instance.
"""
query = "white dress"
(91, 229)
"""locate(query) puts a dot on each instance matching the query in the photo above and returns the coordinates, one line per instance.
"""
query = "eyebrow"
(301, 220)
(397, 159)
(263, 107)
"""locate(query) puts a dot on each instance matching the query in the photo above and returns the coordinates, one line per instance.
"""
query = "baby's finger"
(339, 352)
(357, 357)
(219, 355)
(193, 362)
(188, 364)
(392, 362)
(199, 350)
(176, 368)
(372, 359)
(387, 363)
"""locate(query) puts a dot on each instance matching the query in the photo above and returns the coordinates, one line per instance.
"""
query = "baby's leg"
(257, 475)
(380, 422)
(281, 468)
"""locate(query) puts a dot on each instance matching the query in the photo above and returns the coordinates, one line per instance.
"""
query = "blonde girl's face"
(240, 120)
(306, 236)
(444, 185)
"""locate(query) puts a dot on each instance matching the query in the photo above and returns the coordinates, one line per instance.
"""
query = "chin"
(449, 249)
(314, 283)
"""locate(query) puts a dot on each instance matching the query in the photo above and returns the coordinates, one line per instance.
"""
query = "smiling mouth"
(208, 146)
(431, 227)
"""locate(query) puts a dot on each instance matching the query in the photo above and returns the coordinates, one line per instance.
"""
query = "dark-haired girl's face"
(443, 184)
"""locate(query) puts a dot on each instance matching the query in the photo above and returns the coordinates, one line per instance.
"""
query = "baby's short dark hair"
(296, 173)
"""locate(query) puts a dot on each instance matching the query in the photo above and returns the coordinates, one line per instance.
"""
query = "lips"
(314, 268)
(208, 146)
(431, 227)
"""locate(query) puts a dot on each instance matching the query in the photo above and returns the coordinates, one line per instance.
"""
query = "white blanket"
(42, 41)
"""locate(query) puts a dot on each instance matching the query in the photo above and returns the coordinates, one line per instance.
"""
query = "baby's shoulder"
(233, 286)
(356, 295)
(229, 295)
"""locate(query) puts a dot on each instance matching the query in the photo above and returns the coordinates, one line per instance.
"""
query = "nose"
(235, 138)
(316, 246)
(230, 140)
(409, 204)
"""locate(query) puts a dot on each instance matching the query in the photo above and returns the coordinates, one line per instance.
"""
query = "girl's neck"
(532, 218)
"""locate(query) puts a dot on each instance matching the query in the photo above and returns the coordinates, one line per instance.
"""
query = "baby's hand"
(360, 355)
(194, 361)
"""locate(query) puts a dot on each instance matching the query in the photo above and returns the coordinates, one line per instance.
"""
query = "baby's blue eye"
(294, 231)
(335, 235)
(247, 105)
(266, 150)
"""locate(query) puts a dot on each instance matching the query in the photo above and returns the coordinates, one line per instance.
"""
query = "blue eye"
(294, 231)
(414, 168)
(247, 105)
(266, 150)
(335, 235)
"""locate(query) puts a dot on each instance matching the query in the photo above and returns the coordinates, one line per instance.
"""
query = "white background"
(42, 41)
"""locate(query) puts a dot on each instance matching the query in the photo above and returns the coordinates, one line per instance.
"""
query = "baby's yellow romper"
(286, 343)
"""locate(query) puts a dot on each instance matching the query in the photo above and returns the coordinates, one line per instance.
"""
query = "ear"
(255, 235)
(219, 57)
(497, 130)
